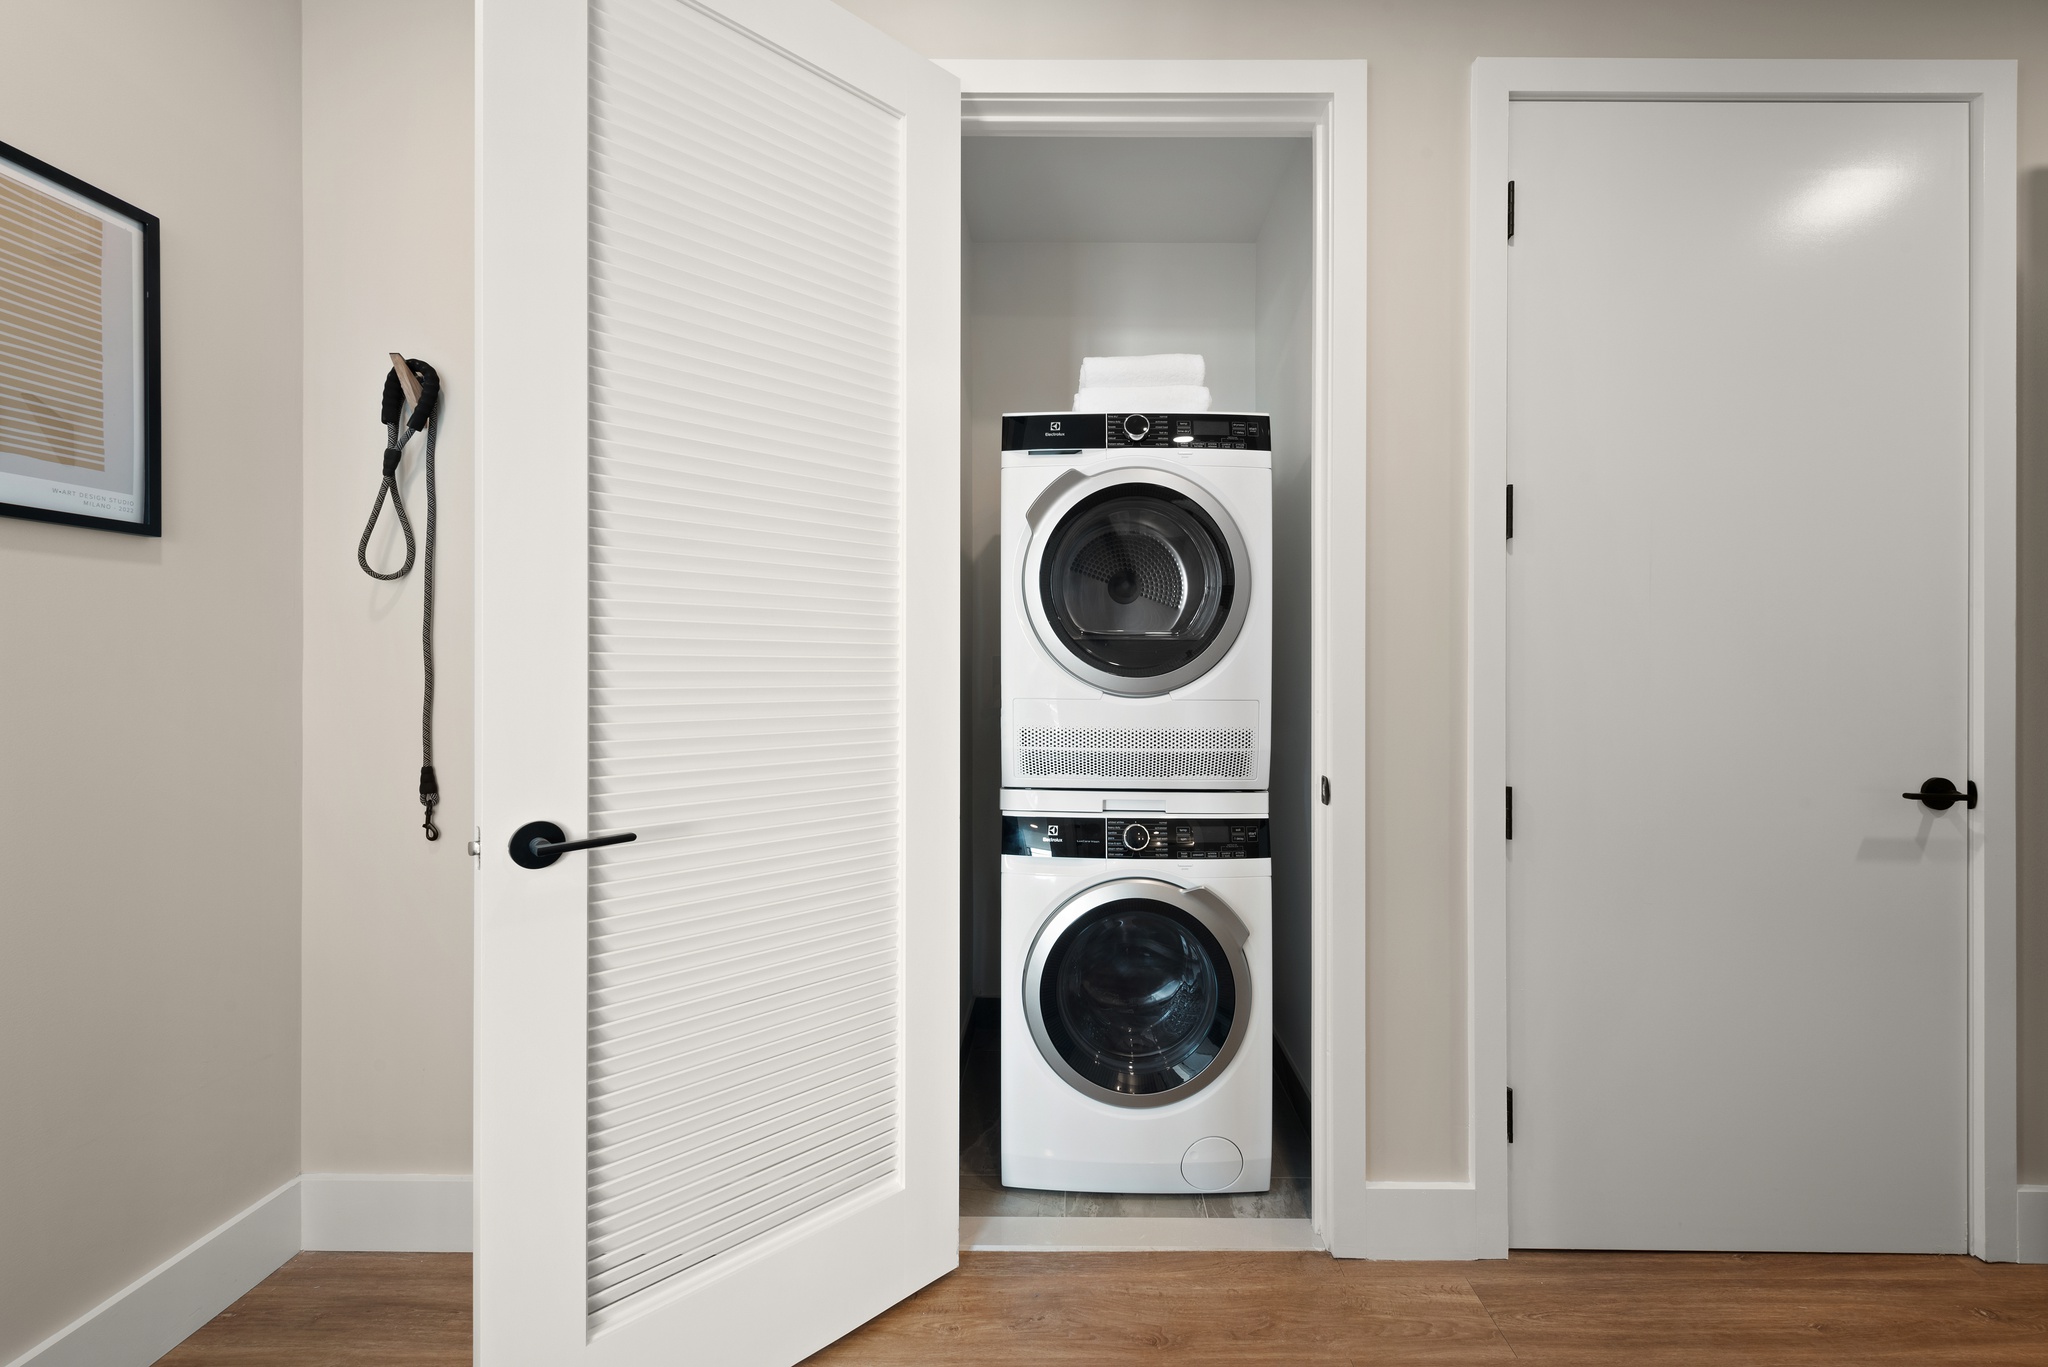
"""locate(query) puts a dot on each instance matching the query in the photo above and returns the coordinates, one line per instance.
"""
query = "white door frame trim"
(1326, 100)
(1990, 88)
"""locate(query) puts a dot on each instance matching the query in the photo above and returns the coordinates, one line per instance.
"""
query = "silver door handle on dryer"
(538, 844)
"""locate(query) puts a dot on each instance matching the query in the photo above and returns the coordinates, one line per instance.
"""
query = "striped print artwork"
(52, 367)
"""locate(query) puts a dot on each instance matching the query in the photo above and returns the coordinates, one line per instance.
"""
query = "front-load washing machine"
(1137, 616)
(1137, 992)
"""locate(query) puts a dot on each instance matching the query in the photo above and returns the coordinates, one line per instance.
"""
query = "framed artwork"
(80, 406)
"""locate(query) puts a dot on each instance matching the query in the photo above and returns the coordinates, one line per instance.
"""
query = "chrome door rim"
(1154, 684)
(1222, 923)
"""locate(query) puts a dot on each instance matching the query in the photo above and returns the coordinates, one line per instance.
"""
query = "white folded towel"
(1126, 372)
(1165, 398)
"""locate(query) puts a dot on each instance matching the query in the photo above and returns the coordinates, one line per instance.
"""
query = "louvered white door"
(717, 607)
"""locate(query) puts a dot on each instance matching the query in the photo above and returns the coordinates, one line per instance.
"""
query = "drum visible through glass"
(1137, 997)
(1137, 580)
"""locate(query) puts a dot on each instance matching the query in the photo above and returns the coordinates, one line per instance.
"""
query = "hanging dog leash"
(425, 391)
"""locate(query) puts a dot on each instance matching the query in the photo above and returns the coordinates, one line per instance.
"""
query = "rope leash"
(424, 415)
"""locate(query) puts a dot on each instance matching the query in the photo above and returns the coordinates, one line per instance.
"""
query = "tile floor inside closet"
(981, 1131)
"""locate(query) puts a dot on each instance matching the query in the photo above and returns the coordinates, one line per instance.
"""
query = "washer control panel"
(1138, 836)
(1070, 433)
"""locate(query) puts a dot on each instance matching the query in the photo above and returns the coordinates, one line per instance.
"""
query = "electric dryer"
(1137, 600)
(1137, 992)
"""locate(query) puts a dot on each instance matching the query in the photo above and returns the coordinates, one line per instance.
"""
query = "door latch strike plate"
(476, 845)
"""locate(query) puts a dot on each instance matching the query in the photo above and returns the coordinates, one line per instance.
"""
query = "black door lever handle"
(1940, 795)
(538, 844)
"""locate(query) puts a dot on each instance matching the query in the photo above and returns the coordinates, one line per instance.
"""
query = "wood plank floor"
(342, 1310)
(1197, 1309)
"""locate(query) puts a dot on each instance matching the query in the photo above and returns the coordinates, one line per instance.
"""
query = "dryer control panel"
(1138, 836)
(1068, 432)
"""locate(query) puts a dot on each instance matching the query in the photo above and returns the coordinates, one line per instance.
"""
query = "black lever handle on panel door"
(1939, 794)
(538, 844)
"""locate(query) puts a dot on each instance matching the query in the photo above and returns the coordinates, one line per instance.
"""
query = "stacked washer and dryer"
(1136, 735)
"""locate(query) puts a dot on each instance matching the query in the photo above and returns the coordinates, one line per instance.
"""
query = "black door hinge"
(1511, 812)
(1326, 792)
(1511, 1115)
(1511, 211)
(1511, 512)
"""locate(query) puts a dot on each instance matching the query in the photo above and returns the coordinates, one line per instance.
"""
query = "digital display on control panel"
(1203, 428)
(1136, 837)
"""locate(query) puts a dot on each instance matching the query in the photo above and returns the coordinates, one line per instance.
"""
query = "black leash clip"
(430, 797)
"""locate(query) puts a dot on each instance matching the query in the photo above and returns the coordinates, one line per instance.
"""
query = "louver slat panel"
(746, 648)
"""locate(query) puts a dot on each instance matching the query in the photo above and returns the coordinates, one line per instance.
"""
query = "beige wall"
(149, 689)
(388, 268)
(1420, 51)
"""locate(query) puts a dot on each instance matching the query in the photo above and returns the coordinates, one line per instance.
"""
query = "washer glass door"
(1136, 1001)
(1139, 586)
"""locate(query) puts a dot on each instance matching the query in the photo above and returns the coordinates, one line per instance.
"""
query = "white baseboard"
(1131, 1234)
(2033, 1224)
(146, 1319)
(375, 1213)
(357, 1212)
(1424, 1221)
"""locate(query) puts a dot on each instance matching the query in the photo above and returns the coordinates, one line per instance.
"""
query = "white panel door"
(718, 320)
(1737, 612)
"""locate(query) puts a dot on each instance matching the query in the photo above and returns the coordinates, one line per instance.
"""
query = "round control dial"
(1136, 426)
(1136, 837)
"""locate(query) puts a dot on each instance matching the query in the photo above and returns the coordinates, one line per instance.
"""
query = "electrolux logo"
(1054, 427)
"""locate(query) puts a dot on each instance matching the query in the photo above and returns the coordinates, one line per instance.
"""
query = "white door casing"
(1738, 434)
(1988, 92)
(718, 333)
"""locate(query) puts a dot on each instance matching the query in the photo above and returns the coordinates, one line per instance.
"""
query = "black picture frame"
(148, 428)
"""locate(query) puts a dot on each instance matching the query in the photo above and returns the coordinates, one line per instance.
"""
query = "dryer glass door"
(1139, 586)
(1137, 1001)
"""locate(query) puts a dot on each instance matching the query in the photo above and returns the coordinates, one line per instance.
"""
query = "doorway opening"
(1100, 244)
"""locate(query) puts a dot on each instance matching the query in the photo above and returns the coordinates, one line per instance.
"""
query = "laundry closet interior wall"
(1086, 245)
